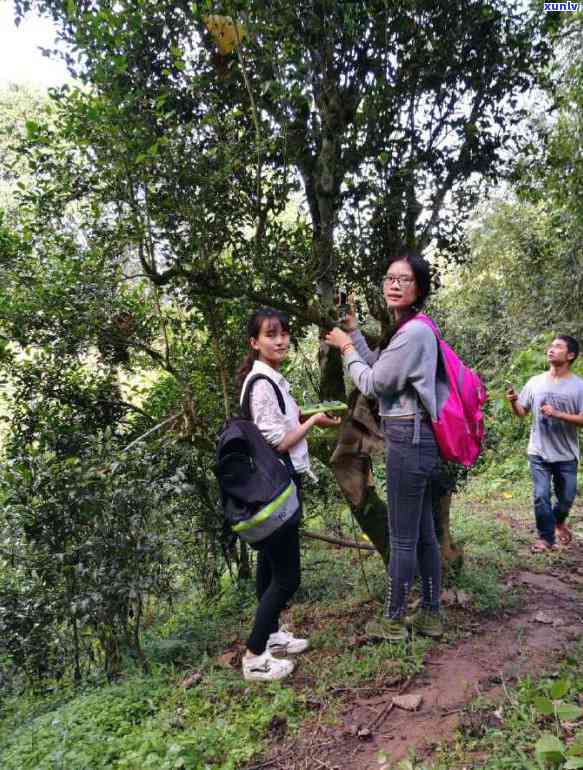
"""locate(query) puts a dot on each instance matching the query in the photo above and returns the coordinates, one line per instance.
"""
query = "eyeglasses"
(400, 280)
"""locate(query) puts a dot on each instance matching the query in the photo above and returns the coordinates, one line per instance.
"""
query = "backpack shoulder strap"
(428, 322)
(245, 401)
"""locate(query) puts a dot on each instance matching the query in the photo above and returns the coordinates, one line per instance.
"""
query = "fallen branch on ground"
(384, 712)
(338, 541)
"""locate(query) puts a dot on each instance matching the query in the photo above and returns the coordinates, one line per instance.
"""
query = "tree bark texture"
(323, 173)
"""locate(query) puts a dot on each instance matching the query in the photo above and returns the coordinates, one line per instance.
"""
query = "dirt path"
(505, 648)
(547, 621)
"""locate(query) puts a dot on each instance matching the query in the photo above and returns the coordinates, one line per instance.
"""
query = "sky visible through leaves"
(21, 61)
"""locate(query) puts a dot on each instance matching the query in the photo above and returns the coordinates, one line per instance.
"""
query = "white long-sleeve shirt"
(269, 418)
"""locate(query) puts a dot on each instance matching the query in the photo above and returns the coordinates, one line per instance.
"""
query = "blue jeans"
(413, 539)
(564, 480)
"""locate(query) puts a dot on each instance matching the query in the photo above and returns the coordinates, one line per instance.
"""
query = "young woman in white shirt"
(278, 561)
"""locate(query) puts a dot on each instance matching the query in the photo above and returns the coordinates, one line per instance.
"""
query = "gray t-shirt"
(552, 439)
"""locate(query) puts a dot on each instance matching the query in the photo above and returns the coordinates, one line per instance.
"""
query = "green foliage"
(154, 211)
(150, 220)
(521, 279)
(551, 704)
(377, 664)
(19, 105)
(185, 159)
(537, 725)
(56, 404)
(223, 721)
(89, 538)
(202, 625)
(146, 723)
(548, 167)
(516, 289)
(490, 550)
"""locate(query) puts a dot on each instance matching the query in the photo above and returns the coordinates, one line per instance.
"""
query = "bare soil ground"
(487, 655)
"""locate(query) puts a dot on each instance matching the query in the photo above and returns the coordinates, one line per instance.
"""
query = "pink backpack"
(459, 427)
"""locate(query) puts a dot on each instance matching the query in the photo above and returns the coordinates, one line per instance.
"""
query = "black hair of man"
(571, 343)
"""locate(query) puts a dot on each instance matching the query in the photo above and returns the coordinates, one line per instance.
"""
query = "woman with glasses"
(407, 381)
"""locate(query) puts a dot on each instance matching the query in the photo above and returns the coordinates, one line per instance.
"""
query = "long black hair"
(421, 271)
(277, 318)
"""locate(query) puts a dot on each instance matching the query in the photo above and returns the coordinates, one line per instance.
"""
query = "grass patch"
(379, 665)
(195, 628)
(491, 551)
(150, 723)
(336, 575)
(223, 722)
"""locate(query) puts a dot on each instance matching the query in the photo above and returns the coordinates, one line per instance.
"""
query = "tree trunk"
(244, 563)
(331, 369)
(331, 374)
(76, 656)
(452, 556)
(323, 177)
(373, 520)
(136, 643)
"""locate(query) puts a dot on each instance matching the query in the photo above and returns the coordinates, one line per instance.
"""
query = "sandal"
(564, 534)
(541, 546)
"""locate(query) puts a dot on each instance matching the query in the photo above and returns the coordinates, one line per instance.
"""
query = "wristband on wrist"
(346, 347)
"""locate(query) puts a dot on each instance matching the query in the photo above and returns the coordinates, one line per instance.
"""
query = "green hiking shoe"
(387, 630)
(426, 623)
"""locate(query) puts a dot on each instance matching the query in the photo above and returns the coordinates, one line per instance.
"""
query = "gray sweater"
(407, 368)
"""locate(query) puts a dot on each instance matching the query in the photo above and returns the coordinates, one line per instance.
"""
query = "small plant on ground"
(536, 728)
(552, 749)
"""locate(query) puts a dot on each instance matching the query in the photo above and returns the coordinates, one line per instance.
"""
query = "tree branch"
(127, 404)
(159, 358)
(453, 172)
(149, 432)
(255, 115)
(337, 541)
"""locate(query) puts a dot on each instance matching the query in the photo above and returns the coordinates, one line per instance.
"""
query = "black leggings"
(278, 578)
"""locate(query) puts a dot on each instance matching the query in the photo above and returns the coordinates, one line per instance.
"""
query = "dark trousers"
(278, 578)
(563, 476)
(413, 539)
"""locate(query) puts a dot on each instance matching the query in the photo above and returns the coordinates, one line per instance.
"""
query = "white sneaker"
(266, 668)
(284, 641)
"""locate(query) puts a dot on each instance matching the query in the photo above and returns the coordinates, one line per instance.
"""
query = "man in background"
(555, 399)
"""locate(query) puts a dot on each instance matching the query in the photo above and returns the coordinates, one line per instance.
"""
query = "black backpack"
(256, 481)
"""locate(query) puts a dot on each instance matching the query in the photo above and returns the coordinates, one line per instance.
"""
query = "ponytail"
(244, 369)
